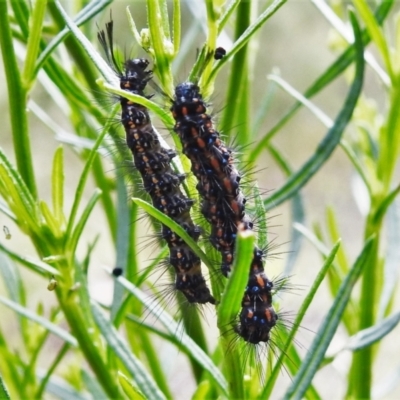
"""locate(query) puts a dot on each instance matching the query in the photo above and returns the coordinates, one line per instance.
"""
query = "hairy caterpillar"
(159, 180)
(223, 206)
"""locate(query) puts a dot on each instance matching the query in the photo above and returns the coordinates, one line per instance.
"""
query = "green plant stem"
(17, 97)
(21, 14)
(363, 359)
(77, 314)
(233, 366)
(372, 277)
(227, 313)
(237, 96)
(360, 380)
(81, 329)
(29, 380)
(32, 48)
(390, 139)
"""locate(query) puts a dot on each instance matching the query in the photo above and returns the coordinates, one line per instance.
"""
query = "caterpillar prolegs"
(223, 206)
(160, 181)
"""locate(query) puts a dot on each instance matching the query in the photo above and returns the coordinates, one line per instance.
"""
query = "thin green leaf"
(123, 240)
(176, 26)
(12, 279)
(335, 277)
(164, 219)
(134, 30)
(357, 163)
(262, 239)
(228, 310)
(213, 13)
(263, 108)
(4, 395)
(32, 49)
(89, 11)
(385, 204)
(6, 211)
(202, 391)
(319, 114)
(330, 74)
(297, 323)
(31, 262)
(163, 49)
(391, 259)
(63, 390)
(331, 15)
(92, 385)
(98, 61)
(50, 222)
(375, 31)
(129, 388)
(194, 324)
(175, 330)
(238, 95)
(298, 214)
(76, 234)
(227, 14)
(335, 236)
(165, 116)
(14, 190)
(316, 242)
(17, 98)
(51, 369)
(22, 13)
(84, 176)
(43, 322)
(233, 295)
(171, 338)
(121, 350)
(388, 140)
(332, 138)
(369, 336)
(10, 367)
(152, 358)
(58, 186)
(15, 288)
(328, 328)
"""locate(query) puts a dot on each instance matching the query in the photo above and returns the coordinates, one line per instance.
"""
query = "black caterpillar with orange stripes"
(223, 206)
(159, 180)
